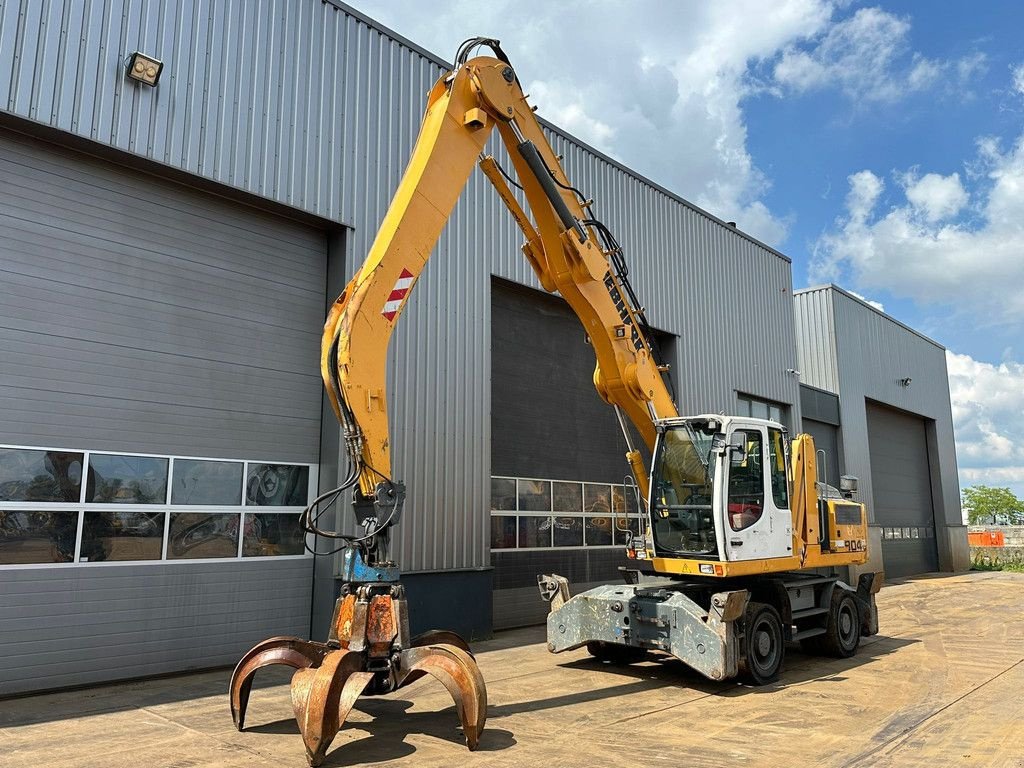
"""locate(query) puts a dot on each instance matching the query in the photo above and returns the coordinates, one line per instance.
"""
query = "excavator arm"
(570, 252)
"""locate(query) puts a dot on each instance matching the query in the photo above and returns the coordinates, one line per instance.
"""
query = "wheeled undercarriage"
(720, 627)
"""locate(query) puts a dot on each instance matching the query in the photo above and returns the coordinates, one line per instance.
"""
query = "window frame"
(553, 514)
(81, 507)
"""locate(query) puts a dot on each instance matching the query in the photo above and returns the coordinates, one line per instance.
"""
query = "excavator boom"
(563, 245)
(370, 650)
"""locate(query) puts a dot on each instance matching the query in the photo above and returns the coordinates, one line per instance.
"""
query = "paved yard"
(942, 685)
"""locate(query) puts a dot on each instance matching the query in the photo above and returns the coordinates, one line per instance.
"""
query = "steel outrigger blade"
(368, 652)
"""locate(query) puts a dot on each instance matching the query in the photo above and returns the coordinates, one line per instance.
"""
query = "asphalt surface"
(941, 685)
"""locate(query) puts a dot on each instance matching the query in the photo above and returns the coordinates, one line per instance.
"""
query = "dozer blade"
(324, 696)
(290, 651)
(458, 672)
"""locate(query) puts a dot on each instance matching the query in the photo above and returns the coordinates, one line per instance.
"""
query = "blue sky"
(879, 145)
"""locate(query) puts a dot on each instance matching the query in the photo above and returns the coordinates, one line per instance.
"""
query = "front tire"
(764, 644)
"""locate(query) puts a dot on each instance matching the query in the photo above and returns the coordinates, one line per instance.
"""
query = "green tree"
(988, 506)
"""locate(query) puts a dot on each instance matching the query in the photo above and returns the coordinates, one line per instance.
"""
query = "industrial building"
(169, 245)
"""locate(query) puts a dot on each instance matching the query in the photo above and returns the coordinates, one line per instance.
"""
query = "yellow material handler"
(737, 528)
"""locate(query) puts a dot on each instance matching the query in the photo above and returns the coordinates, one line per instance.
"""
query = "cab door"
(758, 523)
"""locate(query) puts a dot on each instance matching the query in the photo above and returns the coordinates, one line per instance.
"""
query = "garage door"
(175, 336)
(139, 315)
(902, 491)
(557, 456)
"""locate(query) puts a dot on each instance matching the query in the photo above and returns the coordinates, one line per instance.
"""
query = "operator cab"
(720, 489)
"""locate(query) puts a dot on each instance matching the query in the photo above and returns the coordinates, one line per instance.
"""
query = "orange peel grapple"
(369, 652)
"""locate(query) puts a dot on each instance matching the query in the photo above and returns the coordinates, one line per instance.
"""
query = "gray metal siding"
(870, 353)
(874, 353)
(81, 625)
(816, 339)
(311, 106)
(136, 315)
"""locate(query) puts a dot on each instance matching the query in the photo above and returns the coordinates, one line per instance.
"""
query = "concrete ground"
(940, 686)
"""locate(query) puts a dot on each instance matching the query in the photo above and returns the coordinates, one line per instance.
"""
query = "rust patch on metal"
(341, 624)
(381, 628)
(369, 653)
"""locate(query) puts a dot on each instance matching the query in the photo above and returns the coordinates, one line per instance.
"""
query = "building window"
(762, 409)
(529, 513)
(37, 536)
(276, 485)
(142, 508)
(120, 535)
(34, 475)
(213, 483)
(120, 479)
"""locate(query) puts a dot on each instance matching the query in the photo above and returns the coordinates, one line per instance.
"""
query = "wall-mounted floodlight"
(144, 69)
(905, 382)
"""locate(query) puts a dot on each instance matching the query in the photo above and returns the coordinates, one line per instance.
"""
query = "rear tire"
(614, 653)
(842, 633)
(764, 644)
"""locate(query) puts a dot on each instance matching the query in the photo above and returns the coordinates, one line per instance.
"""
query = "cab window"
(777, 468)
(746, 484)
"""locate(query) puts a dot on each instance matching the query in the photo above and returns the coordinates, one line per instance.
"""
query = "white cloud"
(666, 98)
(1017, 74)
(934, 196)
(661, 87)
(865, 189)
(988, 420)
(876, 304)
(941, 244)
(867, 55)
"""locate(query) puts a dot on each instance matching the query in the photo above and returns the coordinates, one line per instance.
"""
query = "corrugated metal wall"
(815, 339)
(868, 353)
(307, 104)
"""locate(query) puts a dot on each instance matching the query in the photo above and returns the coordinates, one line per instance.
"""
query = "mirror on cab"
(737, 447)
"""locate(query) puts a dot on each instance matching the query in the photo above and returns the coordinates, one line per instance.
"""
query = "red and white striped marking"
(398, 294)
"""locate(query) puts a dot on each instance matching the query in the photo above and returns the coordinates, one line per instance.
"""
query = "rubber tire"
(762, 624)
(842, 632)
(614, 653)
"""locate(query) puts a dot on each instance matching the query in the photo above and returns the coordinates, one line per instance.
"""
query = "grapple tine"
(440, 637)
(316, 697)
(434, 637)
(290, 651)
(458, 672)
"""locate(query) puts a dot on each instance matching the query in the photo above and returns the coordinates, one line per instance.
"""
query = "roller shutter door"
(141, 315)
(901, 487)
(547, 422)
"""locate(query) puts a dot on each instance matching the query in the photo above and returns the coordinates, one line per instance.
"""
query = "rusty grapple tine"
(434, 637)
(440, 637)
(290, 651)
(324, 696)
(458, 672)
